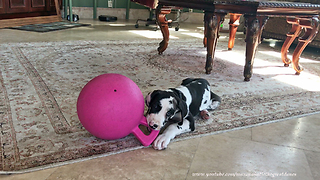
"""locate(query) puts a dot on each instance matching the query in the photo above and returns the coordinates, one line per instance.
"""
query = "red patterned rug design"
(40, 83)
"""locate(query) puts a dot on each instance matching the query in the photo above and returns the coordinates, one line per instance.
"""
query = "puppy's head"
(164, 106)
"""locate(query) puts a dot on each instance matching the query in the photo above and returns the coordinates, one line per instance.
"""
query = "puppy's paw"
(204, 115)
(161, 142)
(214, 105)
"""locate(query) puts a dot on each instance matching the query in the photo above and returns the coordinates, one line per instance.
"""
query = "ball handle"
(145, 140)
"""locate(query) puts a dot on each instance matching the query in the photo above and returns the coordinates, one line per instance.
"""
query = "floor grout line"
(194, 155)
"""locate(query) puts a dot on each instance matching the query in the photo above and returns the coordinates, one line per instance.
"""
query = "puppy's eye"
(170, 113)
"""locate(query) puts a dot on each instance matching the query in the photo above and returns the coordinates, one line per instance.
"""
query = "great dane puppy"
(178, 106)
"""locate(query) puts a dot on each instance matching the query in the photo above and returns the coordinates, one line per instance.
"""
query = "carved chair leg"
(312, 25)
(255, 25)
(212, 23)
(233, 26)
(162, 22)
(291, 36)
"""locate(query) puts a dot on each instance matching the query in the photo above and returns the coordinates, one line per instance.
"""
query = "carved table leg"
(212, 24)
(311, 25)
(291, 36)
(163, 24)
(255, 25)
(233, 26)
(205, 33)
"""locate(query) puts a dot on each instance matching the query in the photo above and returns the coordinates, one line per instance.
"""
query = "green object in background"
(94, 9)
(65, 6)
(104, 4)
(70, 10)
(128, 9)
(127, 4)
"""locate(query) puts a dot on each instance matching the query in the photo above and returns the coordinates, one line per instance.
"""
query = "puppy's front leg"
(172, 131)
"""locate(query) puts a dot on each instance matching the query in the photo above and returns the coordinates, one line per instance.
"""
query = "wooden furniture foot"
(311, 25)
(162, 21)
(211, 23)
(233, 26)
(291, 36)
(255, 25)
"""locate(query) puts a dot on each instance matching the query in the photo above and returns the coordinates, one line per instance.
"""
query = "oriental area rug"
(40, 84)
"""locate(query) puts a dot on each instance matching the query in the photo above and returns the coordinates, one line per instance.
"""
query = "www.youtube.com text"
(237, 174)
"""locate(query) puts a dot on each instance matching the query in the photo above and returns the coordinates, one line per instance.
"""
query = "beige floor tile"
(173, 163)
(298, 133)
(221, 154)
(241, 134)
(99, 31)
(38, 175)
(314, 163)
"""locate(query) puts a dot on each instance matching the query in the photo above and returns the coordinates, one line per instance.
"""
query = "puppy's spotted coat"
(178, 106)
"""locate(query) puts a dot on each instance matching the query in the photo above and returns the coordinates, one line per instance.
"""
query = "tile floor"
(288, 149)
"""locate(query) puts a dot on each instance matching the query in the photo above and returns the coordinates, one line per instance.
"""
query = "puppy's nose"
(154, 126)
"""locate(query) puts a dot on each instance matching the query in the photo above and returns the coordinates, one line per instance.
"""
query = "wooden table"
(256, 13)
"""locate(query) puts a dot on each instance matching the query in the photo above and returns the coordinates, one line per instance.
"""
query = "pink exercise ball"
(111, 106)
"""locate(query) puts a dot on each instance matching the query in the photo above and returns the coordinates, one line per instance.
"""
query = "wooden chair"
(152, 4)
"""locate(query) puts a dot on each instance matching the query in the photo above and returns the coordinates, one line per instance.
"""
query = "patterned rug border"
(54, 165)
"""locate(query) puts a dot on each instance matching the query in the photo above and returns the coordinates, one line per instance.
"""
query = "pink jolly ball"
(110, 106)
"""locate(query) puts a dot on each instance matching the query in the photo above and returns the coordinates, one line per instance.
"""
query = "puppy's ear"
(182, 111)
(177, 117)
(183, 108)
(149, 97)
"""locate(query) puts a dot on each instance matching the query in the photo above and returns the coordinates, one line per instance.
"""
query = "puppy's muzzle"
(153, 126)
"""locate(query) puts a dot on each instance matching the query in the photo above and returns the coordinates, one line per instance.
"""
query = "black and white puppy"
(178, 106)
